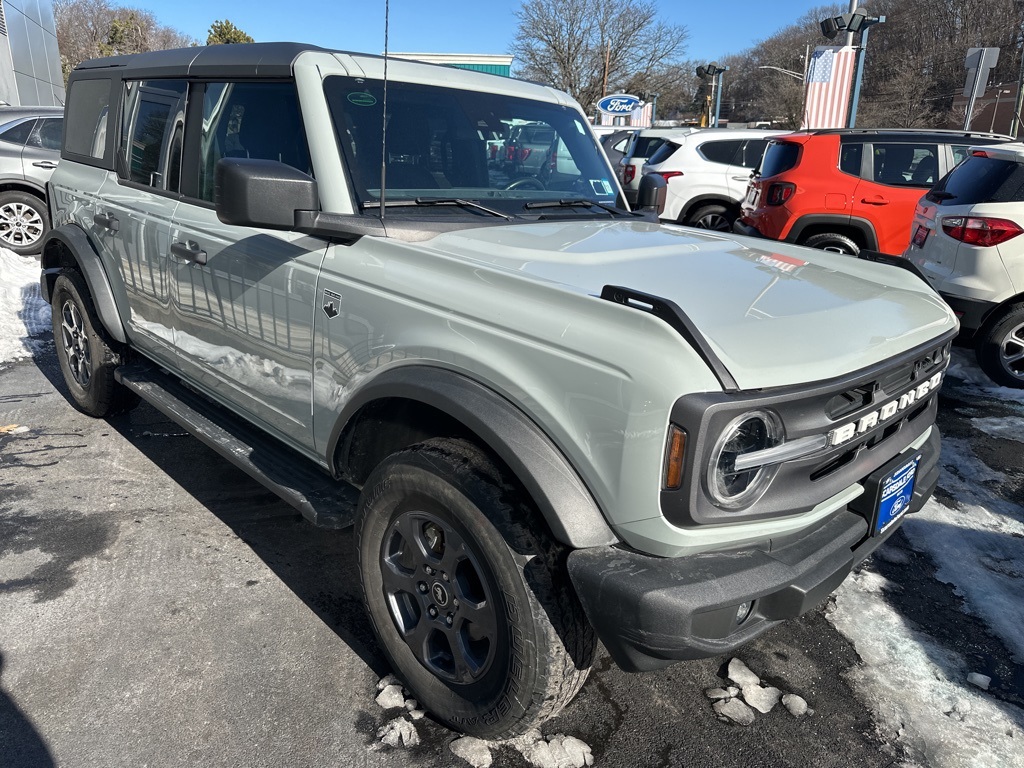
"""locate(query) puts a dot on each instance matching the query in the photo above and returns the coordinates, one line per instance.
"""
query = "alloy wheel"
(715, 221)
(76, 343)
(1011, 351)
(20, 225)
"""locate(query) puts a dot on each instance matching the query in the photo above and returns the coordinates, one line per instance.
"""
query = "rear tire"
(832, 241)
(714, 217)
(87, 357)
(1000, 347)
(23, 222)
(467, 594)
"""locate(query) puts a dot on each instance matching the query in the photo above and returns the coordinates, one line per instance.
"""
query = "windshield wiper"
(578, 203)
(427, 201)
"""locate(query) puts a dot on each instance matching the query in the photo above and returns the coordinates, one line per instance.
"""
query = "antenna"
(384, 116)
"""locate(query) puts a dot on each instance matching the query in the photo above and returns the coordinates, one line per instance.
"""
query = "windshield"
(444, 143)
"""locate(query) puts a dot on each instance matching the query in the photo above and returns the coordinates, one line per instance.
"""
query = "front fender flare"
(69, 246)
(546, 474)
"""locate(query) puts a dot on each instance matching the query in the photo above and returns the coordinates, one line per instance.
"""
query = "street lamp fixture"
(789, 72)
(714, 73)
(857, 21)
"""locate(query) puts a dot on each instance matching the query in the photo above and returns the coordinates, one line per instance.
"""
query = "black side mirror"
(262, 193)
(651, 196)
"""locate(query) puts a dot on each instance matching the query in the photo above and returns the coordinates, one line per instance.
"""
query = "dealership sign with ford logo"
(618, 104)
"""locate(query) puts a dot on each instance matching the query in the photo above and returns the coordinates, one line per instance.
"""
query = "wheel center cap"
(439, 593)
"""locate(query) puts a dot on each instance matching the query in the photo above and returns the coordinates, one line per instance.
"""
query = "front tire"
(832, 241)
(23, 222)
(1000, 348)
(87, 358)
(467, 594)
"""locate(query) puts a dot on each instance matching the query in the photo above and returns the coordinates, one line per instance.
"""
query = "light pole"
(855, 21)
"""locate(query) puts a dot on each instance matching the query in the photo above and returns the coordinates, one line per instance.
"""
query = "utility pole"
(849, 35)
(1015, 123)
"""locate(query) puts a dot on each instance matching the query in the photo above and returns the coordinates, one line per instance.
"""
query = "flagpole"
(855, 98)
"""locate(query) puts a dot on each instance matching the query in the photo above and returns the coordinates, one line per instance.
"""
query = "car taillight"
(980, 230)
(666, 175)
(779, 192)
(524, 152)
(628, 173)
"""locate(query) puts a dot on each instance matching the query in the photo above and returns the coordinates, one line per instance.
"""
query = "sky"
(457, 26)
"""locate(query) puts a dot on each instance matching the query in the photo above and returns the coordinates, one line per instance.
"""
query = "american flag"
(829, 76)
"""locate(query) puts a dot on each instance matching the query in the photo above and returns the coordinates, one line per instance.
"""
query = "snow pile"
(23, 313)
(1003, 427)
(918, 690)
(557, 751)
(730, 707)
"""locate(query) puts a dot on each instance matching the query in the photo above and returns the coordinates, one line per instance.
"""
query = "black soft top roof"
(233, 60)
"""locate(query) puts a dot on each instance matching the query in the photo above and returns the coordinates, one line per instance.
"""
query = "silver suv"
(550, 419)
(29, 151)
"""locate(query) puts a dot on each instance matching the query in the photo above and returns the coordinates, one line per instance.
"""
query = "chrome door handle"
(107, 221)
(45, 164)
(189, 251)
(741, 178)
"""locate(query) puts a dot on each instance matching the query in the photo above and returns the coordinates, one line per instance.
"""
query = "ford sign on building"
(618, 104)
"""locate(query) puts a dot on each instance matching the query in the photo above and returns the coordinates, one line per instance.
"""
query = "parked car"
(707, 173)
(29, 151)
(552, 421)
(528, 148)
(967, 240)
(643, 144)
(847, 189)
(616, 143)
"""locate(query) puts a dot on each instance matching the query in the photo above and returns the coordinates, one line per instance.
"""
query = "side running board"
(673, 314)
(322, 500)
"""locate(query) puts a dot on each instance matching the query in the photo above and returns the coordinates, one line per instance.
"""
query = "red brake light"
(666, 175)
(779, 192)
(524, 152)
(628, 174)
(980, 230)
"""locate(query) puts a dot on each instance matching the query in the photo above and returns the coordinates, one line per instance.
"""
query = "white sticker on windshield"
(601, 186)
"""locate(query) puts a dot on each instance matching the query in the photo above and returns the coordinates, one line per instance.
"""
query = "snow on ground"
(918, 690)
(23, 313)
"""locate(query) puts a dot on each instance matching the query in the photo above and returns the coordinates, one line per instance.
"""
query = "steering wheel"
(527, 182)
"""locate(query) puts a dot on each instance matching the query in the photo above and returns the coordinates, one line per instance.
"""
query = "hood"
(775, 314)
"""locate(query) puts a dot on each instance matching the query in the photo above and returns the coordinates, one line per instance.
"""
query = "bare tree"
(90, 28)
(593, 47)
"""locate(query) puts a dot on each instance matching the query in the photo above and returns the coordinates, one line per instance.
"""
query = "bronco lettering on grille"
(871, 420)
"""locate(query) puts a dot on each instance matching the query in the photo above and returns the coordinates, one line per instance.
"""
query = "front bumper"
(650, 612)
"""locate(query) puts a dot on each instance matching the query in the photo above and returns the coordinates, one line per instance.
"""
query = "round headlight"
(753, 431)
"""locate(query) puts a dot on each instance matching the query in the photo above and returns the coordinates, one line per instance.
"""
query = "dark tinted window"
(47, 133)
(723, 152)
(780, 157)
(850, 157)
(645, 146)
(663, 153)
(751, 153)
(86, 111)
(19, 133)
(152, 130)
(257, 120)
(981, 180)
(905, 165)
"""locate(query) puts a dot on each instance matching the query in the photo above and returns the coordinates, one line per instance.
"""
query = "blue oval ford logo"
(618, 104)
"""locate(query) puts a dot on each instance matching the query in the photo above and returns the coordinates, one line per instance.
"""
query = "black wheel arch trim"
(547, 476)
(862, 226)
(695, 203)
(73, 238)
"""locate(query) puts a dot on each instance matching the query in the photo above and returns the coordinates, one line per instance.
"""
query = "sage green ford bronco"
(551, 420)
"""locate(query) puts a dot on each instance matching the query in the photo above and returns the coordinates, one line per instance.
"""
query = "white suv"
(707, 173)
(966, 238)
(643, 144)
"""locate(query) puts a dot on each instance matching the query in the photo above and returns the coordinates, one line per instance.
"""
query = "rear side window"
(850, 156)
(781, 156)
(86, 111)
(47, 133)
(663, 153)
(981, 180)
(905, 165)
(722, 152)
(152, 132)
(646, 146)
(19, 133)
(751, 153)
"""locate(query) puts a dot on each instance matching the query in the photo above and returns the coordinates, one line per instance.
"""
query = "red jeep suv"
(844, 190)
